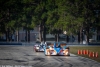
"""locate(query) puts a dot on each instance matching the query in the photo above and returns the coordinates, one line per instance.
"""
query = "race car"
(56, 49)
(39, 47)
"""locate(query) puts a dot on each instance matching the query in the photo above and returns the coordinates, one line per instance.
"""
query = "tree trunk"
(67, 38)
(11, 37)
(28, 35)
(17, 35)
(57, 37)
(78, 37)
(7, 35)
(81, 37)
(7, 39)
(87, 37)
(44, 33)
(97, 34)
(40, 33)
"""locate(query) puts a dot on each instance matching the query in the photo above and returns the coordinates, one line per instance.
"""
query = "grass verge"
(74, 50)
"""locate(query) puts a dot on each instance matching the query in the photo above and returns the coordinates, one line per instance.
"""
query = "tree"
(72, 16)
(16, 14)
(39, 19)
(8, 12)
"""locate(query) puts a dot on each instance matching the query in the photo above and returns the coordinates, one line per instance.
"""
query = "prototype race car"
(56, 49)
(39, 47)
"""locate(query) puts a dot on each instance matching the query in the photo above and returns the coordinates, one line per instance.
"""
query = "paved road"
(24, 55)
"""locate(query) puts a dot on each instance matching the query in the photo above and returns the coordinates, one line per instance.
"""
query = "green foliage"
(67, 15)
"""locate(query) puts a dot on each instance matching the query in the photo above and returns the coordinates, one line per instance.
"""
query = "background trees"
(73, 16)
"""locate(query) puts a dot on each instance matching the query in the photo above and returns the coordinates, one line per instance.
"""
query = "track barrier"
(87, 52)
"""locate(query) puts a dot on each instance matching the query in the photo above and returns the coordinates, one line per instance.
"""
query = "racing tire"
(46, 54)
(36, 50)
(68, 55)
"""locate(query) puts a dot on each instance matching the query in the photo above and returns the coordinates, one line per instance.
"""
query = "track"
(26, 56)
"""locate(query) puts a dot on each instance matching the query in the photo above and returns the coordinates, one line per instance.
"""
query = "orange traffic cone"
(90, 54)
(87, 52)
(81, 52)
(96, 54)
(93, 54)
(84, 52)
(78, 52)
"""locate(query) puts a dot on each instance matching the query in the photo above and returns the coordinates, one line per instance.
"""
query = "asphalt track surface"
(26, 56)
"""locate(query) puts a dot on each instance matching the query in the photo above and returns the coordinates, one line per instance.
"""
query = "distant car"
(39, 47)
(56, 49)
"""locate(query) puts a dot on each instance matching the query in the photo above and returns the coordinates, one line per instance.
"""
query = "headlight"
(51, 48)
(37, 47)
